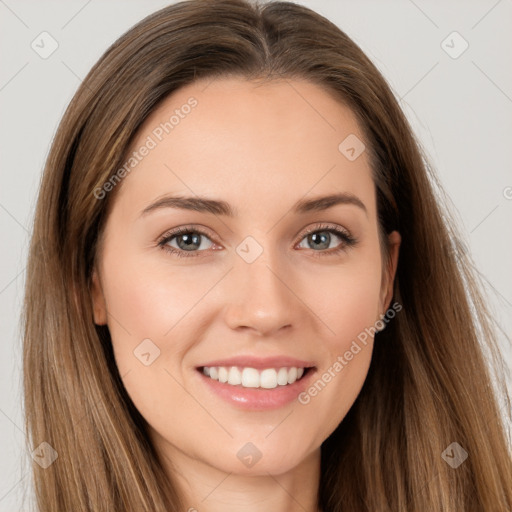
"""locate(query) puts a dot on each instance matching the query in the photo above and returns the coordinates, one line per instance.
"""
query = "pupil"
(189, 241)
(325, 237)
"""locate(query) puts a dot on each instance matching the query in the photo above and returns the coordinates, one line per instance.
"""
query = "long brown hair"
(429, 383)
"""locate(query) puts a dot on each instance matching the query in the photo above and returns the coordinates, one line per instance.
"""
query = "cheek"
(149, 321)
(148, 301)
(348, 305)
(347, 301)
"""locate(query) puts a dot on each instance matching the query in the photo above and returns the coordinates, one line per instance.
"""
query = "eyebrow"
(217, 207)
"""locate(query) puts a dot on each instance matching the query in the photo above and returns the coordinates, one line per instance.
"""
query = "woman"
(190, 346)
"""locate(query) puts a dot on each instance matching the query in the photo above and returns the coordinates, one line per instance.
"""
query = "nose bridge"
(260, 295)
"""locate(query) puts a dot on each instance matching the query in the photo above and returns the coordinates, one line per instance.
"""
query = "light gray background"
(460, 108)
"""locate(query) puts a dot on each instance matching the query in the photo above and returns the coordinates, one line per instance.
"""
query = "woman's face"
(259, 287)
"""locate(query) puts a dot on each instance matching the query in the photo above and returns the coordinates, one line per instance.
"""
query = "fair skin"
(260, 148)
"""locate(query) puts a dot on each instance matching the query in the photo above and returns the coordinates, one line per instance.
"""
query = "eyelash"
(348, 240)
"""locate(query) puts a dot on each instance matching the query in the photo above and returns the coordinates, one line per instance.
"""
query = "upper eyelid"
(182, 230)
(205, 231)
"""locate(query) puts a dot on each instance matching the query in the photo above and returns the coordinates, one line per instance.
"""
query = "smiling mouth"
(247, 377)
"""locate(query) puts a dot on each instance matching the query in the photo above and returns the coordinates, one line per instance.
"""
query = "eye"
(188, 240)
(320, 237)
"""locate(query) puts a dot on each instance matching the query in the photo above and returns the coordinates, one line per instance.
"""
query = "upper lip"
(260, 362)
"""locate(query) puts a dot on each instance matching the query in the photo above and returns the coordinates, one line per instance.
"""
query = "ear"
(98, 301)
(388, 275)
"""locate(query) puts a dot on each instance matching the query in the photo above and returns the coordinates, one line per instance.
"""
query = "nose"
(263, 297)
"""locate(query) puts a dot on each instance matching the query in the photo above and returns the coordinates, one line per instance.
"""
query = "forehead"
(247, 142)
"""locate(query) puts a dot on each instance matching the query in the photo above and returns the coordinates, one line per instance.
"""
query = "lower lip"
(258, 399)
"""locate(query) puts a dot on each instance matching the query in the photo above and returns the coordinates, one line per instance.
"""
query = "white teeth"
(282, 376)
(235, 376)
(268, 378)
(250, 378)
(223, 374)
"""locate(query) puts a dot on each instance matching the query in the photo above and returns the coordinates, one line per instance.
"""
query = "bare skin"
(260, 148)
